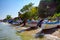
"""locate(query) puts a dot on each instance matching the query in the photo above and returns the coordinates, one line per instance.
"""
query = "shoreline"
(29, 34)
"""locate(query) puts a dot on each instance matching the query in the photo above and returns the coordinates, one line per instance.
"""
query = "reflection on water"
(7, 33)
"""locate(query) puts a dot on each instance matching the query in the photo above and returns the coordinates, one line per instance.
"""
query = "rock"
(57, 33)
(51, 37)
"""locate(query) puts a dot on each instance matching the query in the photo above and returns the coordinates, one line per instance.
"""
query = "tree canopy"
(29, 11)
(48, 8)
(26, 7)
(8, 17)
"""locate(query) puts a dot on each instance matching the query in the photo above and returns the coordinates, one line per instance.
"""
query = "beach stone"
(57, 33)
(51, 37)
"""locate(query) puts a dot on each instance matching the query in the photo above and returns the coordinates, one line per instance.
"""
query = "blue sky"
(11, 7)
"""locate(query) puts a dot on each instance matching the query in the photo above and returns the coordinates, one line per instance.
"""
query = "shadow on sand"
(47, 31)
(40, 34)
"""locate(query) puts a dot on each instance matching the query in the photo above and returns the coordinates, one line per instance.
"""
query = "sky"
(12, 7)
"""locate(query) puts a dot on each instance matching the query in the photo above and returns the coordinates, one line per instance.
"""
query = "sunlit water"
(7, 33)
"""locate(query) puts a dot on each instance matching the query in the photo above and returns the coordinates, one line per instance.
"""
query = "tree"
(58, 6)
(25, 10)
(8, 17)
(33, 12)
(19, 13)
(47, 8)
(56, 15)
(29, 12)
(26, 7)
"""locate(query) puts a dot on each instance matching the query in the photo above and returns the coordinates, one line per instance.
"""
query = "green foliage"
(48, 0)
(29, 12)
(8, 17)
(56, 15)
(15, 19)
(25, 15)
(58, 6)
(53, 7)
(33, 12)
(26, 7)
